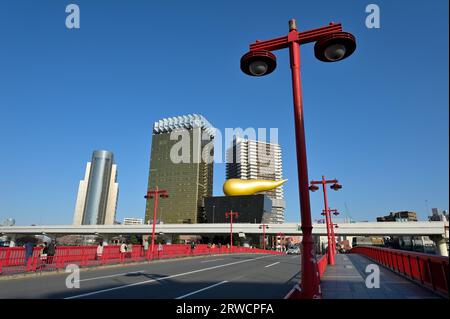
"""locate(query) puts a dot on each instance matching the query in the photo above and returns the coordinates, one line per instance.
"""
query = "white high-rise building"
(98, 192)
(249, 159)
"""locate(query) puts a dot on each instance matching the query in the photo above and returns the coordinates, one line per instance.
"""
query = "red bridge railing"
(13, 260)
(322, 264)
(428, 270)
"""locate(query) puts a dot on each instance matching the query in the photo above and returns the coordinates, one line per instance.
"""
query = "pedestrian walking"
(160, 249)
(43, 254)
(99, 251)
(51, 251)
(123, 251)
(145, 246)
(29, 247)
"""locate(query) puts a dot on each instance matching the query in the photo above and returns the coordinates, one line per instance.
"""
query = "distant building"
(98, 192)
(187, 181)
(9, 222)
(403, 216)
(133, 221)
(437, 215)
(250, 159)
(251, 208)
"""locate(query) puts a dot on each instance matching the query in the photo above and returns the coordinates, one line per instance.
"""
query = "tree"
(134, 240)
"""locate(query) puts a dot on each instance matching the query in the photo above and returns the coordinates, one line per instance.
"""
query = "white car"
(293, 251)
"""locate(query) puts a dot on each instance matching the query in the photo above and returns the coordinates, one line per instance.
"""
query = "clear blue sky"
(378, 121)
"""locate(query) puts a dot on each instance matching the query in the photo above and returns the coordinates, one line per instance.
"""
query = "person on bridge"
(160, 249)
(43, 254)
(28, 252)
(145, 245)
(123, 251)
(51, 250)
(99, 250)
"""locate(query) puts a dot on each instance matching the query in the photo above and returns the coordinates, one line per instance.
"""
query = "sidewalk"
(346, 280)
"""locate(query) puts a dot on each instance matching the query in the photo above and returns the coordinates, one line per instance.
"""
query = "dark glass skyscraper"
(180, 146)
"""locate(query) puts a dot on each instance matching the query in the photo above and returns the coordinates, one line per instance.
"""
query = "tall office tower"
(180, 164)
(248, 159)
(98, 192)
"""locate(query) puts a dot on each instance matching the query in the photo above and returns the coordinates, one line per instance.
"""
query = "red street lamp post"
(331, 45)
(333, 226)
(264, 226)
(150, 194)
(330, 230)
(336, 186)
(231, 214)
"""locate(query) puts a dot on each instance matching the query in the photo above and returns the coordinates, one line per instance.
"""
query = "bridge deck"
(346, 280)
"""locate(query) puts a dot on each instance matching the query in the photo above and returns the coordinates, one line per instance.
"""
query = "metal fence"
(428, 270)
(13, 259)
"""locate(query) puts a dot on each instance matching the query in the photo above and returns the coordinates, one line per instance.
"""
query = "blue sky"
(377, 121)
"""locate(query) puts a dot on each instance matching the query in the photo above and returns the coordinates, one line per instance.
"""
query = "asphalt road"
(242, 276)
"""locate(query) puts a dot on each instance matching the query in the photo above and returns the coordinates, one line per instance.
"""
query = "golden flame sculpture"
(236, 186)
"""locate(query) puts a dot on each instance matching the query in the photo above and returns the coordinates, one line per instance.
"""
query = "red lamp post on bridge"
(331, 45)
(330, 230)
(231, 214)
(336, 186)
(264, 226)
(156, 193)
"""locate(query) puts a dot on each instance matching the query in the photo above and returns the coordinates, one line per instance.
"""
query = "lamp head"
(258, 63)
(313, 188)
(335, 47)
(336, 186)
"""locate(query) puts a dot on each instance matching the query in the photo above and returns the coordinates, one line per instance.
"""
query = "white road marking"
(110, 276)
(272, 264)
(206, 288)
(208, 261)
(160, 279)
(295, 257)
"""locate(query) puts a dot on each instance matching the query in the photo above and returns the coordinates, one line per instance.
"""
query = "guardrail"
(428, 270)
(13, 259)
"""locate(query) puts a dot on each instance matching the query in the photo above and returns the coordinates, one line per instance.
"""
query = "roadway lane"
(224, 276)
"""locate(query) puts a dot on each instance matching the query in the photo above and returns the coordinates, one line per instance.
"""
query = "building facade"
(98, 192)
(438, 215)
(251, 208)
(181, 162)
(403, 216)
(249, 159)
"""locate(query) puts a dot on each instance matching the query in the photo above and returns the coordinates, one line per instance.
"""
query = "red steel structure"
(13, 260)
(330, 229)
(156, 193)
(231, 214)
(264, 226)
(331, 45)
(336, 186)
